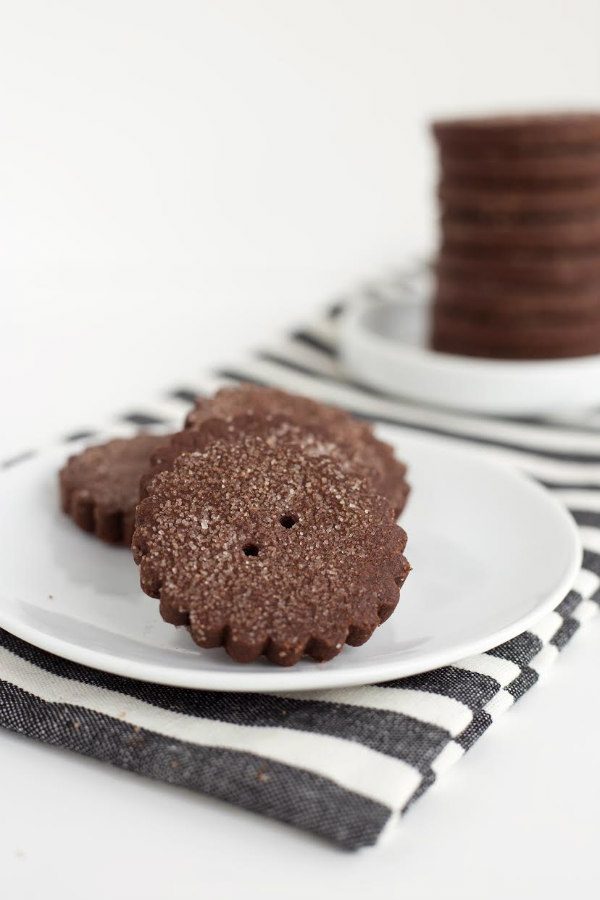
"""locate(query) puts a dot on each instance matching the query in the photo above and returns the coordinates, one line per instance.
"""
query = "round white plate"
(385, 346)
(491, 553)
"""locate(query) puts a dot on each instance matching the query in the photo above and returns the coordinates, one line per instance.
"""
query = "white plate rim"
(319, 677)
(508, 385)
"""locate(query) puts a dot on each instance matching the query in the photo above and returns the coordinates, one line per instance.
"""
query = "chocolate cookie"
(357, 437)
(262, 536)
(99, 487)
(569, 169)
(524, 267)
(490, 295)
(542, 134)
(523, 200)
(580, 232)
(518, 273)
(529, 337)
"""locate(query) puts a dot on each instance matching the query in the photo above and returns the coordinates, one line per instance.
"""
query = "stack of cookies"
(518, 273)
(267, 526)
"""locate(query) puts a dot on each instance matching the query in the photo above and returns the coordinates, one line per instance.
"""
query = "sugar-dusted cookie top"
(388, 472)
(262, 536)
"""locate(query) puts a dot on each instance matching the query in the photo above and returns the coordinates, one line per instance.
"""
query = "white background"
(178, 180)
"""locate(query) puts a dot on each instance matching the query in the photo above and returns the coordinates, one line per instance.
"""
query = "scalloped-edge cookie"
(99, 487)
(388, 472)
(261, 536)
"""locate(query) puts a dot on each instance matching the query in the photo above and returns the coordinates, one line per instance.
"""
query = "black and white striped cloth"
(345, 763)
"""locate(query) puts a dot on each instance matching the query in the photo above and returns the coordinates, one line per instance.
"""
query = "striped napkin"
(344, 764)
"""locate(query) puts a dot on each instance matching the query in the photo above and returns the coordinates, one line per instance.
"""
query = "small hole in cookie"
(250, 549)
(288, 521)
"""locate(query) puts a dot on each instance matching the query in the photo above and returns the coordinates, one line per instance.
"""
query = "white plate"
(491, 553)
(385, 346)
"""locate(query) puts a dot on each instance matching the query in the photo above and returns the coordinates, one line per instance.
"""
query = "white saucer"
(385, 346)
(491, 553)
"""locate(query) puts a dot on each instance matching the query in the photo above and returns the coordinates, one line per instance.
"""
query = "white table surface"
(518, 816)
